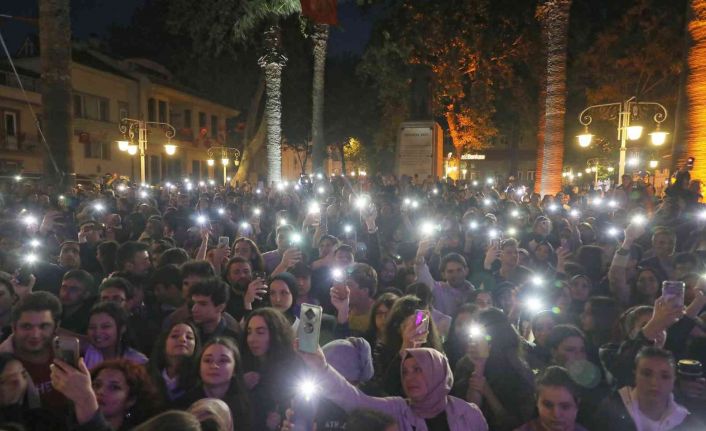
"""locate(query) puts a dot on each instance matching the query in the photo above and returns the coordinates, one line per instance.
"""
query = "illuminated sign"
(472, 156)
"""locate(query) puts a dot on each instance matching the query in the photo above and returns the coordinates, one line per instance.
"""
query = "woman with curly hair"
(116, 395)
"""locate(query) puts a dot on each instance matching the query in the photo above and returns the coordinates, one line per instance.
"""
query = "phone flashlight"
(612, 231)
(61, 197)
(212, 182)
(487, 202)
(537, 280)
(511, 231)
(534, 304)
(435, 191)
(638, 220)
(473, 225)
(489, 181)
(415, 204)
(361, 201)
(122, 187)
(283, 222)
(321, 190)
(258, 191)
(257, 211)
(612, 204)
(144, 194)
(280, 186)
(295, 238)
(574, 213)
(244, 225)
(337, 274)
(98, 206)
(407, 201)
(427, 228)
(475, 331)
(221, 211)
(553, 207)
(30, 220)
(320, 176)
(308, 389)
(347, 228)
(475, 183)
(598, 202)
(31, 258)
(314, 208)
(201, 220)
(34, 243)
(493, 234)
(515, 213)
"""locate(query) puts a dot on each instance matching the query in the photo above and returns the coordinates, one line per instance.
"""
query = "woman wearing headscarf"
(426, 380)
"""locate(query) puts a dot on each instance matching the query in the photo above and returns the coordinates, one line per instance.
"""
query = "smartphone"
(673, 292)
(22, 276)
(67, 349)
(309, 328)
(223, 241)
(421, 321)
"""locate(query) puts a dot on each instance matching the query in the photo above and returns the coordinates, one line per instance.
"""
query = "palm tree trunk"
(554, 16)
(696, 90)
(320, 38)
(55, 60)
(251, 143)
(272, 64)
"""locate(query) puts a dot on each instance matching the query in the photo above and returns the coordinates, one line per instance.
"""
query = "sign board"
(472, 156)
(419, 149)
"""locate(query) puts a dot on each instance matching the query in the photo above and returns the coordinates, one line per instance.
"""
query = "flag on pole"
(320, 11)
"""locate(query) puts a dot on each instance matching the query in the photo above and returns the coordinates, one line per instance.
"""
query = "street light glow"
(170, 149)
(658, 138)
(585, 139)
(634, 132)
(633, 161)
(210, 162)
(123, 145)
(132, 150)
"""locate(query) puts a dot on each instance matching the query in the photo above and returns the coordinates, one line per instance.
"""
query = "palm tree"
(696, 89)
(55, 60)
(554, 17)
(320, 39)
(251, 16)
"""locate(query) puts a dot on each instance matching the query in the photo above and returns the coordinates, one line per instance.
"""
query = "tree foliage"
(471, 48)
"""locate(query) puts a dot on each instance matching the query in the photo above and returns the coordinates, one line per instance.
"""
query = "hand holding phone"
(67, 349)
(309, 328)
(673, 292)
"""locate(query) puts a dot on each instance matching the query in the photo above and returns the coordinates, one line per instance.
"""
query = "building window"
(530, 175)
(214, 126)
(91, 107)
(196, 169)
(162, 111)
(202, 120)
(187, 118)
(151, 110)
(519, 175)
(123, 110)
(96, 150)
(10, 130)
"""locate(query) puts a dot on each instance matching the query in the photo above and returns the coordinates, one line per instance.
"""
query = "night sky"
(95, 17)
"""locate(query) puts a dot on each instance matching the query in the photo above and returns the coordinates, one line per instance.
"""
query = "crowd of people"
(446, 305)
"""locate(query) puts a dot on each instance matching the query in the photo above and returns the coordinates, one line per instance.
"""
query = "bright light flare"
(534, 304)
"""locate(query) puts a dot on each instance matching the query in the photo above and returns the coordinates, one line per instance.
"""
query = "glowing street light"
(634, 132)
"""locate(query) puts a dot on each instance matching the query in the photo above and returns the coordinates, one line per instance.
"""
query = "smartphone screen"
(673, 292)
(421, 321)
(309, 328)
(223, 241)
(67, 349)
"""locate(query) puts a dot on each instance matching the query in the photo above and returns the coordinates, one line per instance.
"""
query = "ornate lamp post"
(225, 155)
(131, 127)
(626, 130)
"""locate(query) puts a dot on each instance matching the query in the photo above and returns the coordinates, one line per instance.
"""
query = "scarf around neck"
(439, 380)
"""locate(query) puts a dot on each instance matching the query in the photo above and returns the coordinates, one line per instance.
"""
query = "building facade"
(105, 91)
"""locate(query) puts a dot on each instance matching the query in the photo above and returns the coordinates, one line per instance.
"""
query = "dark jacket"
(612, 415)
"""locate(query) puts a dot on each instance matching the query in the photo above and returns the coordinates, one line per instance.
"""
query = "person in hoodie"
(648, 405)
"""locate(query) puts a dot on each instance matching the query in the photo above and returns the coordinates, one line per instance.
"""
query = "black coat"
(612, 415)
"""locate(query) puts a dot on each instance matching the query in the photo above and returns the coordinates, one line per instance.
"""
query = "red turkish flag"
(320, 11)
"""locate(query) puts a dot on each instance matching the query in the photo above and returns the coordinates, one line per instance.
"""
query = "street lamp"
(132, 127)
(625, 129)
(225, 154)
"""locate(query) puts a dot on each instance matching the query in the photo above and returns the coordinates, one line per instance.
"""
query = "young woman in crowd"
(494, 374)
(269, 364)
(456, 345)
(537, 353)
(557, 403)
(107, 326)
(172, 361)
(247, 249)
(116, 395)
(400, 332)
(378, 315)
(221, 377)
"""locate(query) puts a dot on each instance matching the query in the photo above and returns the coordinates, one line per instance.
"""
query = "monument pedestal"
(420, 147)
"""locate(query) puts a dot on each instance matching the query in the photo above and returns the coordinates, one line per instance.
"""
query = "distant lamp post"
(654, 164)
(137, 130)
(225, 154)
(626, 131)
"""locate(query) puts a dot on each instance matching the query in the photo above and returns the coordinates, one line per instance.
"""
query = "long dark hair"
(119, 316)
(392, 333)
(456, 343)
(506, 353)
(280, 349)
(606, 315)
(388, 300)
(185, 369)
(236, 396)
